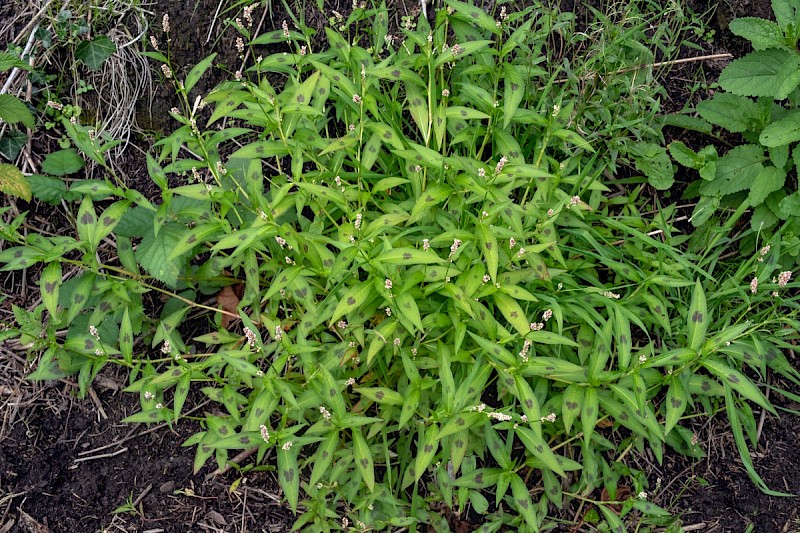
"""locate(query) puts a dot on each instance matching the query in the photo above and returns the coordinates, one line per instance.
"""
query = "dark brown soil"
(66, 464)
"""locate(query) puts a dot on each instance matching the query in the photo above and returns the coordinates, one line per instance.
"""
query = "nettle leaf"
(736, 170)
(652, 161)
(758, 73)
(769, 180)
(95, 52)
(9, 61)
(684, 155)
(729, 111)
(154, 251)
(62, 162)
(14, 111)
(762, 33)
(13, 182)
(781, 132)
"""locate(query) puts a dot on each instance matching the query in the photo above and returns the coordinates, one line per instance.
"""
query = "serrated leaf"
(62, 162)
(761, 32)
(769, 180)
(13, 182)
(729, 111)
(9, 61)
(14, 111)
(736, 170)
(781, 132)
(757, 73)
(94, 53)
(683, 154)
(652, 161)
(154, 251)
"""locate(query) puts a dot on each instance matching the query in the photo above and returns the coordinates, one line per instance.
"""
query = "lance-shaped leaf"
(49, 284)
(409, 256)
(739, 382)
(514, 91)
(364, 461)
(523, 503)
(489, 249)
(571, 403)
(351, 300)
(539, 448)
(289, 474)
(676, 402)
(698, 318)
(513, 312)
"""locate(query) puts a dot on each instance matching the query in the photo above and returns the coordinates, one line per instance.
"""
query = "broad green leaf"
(408, 309)
(729, 111)
(49, 284)
(739, 382)
(652, 161)
(9, 61)
(95, 52)
(193, 237)
(47, 367)
(432, 196)
(683, 154)
(19, 257)
(417, 103)
(409, 256)
(14, 111)
(459, 423)
(781, 132)
(736, 170)
(410, 405)
(757, 73)
(762, 33)
(622, 334)
(769, 180)
(13, 182)
(197, 72)
(153, 253)
(464, 49)
(363, 457)
(698, 318)
(62, 162)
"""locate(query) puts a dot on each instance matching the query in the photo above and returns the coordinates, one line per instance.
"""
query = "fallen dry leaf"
(228, 301)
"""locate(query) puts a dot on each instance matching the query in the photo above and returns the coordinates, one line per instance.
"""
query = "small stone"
(166, 487)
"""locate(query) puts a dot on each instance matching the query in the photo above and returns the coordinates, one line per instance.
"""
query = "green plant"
(758, 100)
(13, 111)
(425, 295)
